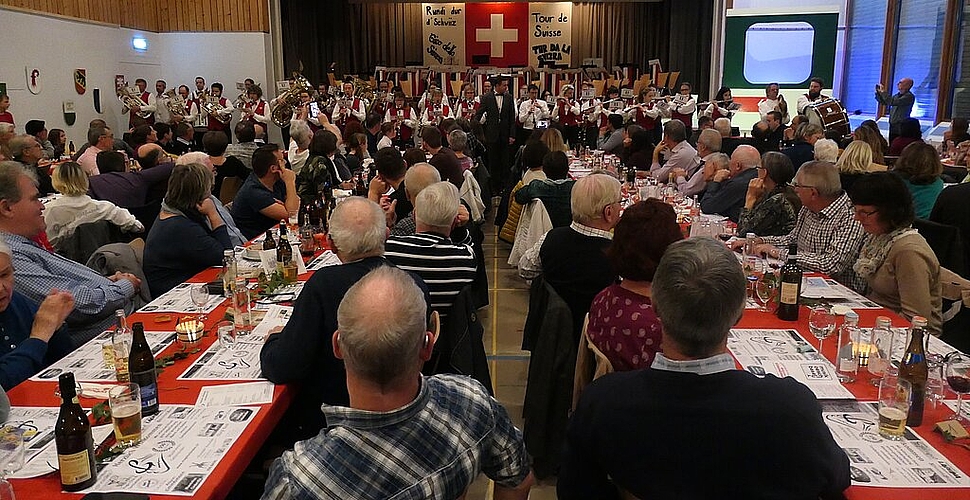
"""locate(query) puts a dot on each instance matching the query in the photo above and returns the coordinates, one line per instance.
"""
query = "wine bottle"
(791, 286)
(269, 243)
(913, 369)
(72, 436)
(141, 365)
(121, 343)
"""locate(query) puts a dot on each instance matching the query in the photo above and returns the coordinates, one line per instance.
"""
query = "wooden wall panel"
(159, 15)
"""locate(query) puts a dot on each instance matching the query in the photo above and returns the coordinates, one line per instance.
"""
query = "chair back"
(87, 238)
(230, 186)
(946, 243)
(591, 363)
(460, 347)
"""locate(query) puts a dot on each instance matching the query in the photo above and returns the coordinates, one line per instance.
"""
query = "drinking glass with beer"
(894, 400)
(125, 403)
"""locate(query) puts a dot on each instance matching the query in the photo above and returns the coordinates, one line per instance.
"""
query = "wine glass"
(766, 292)
(956, 369)
(880, 351)
(821, 322)
(11, 458)
(200, 297)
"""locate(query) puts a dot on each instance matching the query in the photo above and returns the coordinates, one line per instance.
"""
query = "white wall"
(56, 47)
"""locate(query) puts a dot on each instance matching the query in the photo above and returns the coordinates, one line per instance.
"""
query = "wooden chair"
(591, 364)
(230, 186)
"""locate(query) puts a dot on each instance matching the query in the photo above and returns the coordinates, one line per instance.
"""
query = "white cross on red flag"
(497, 34)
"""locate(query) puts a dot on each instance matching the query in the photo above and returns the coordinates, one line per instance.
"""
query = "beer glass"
(894, 399)
(125, 402)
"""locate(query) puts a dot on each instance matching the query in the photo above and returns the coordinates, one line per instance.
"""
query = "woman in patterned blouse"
(770, 206)
(622, 323)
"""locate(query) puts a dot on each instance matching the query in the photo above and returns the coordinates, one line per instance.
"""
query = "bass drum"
(830, 115)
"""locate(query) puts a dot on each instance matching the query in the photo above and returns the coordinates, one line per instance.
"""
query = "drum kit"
(830, 115)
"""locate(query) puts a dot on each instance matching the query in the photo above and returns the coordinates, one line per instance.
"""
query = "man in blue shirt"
(32, 337)
(38, 271)
(268, 195)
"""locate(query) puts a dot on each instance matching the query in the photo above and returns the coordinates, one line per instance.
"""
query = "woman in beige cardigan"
(899, 266)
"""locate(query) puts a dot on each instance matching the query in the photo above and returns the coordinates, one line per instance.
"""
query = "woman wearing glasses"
(770, 205)
(899, 267)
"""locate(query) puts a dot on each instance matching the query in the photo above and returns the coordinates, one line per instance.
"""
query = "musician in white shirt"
(773, 101)
(404, 119)
(682, 106)
(531, 110)
(199, 87)
(147, 107)
(437, 110)
(349, 108)
(591, 109)
(723, 105)
(162, 114)
(424, 103)
(813, 96)
(191, 108)
(468, 104)
(256, 109)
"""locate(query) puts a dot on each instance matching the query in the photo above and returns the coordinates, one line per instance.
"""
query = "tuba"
(212, 107)
(289, 100)
(174, 102)
(363, 89)
(130, 99)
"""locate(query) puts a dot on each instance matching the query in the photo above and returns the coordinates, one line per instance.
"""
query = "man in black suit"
(498, 107)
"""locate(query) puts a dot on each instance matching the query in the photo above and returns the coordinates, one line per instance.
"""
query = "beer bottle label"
(75, 467)
(149, 392)
(789, 293)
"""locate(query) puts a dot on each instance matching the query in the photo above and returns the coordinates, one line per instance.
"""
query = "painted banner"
(444, 34)
(550, 37)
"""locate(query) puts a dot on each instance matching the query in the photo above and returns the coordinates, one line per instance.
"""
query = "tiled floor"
(509, 364)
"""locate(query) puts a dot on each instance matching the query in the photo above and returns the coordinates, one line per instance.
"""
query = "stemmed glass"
(11, 458)
(766, 292)
(822, 323)
(956, 369)
(200, 297)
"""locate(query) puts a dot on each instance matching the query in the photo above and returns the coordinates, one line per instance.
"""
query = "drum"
(830, 115)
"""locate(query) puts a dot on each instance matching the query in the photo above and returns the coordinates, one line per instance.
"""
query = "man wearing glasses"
(827, 235)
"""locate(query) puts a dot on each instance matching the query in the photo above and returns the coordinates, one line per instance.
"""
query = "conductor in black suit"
(498, 107)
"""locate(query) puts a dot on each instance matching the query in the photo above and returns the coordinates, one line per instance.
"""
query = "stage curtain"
(358, 37)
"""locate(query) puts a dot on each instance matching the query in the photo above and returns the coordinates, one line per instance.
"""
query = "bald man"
(901, 104)
(725, 194)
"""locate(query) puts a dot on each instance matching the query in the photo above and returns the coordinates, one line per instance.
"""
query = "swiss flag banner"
(497, 34)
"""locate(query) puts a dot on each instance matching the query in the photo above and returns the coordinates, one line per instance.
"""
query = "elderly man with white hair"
(695, 182)
(402, 435)
(299, 147)
(418, 177)
(725, 193)
(826, 150)
(445, 266)
(34, 336)
(235, 236)
(572, 258)
(302, 352)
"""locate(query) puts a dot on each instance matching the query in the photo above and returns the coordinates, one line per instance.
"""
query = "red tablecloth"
(171, 391)
(863, 390)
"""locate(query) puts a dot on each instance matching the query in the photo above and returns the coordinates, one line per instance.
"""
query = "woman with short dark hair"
(215, 143)
(622, 322)
(900, 268)
(189, 235)
(770, 205)
(920, 168)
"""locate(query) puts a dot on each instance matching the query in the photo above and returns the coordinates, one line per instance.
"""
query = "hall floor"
(503, 320)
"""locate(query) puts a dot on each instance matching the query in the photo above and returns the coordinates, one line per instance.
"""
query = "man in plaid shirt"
(826, 232)
(405, 436)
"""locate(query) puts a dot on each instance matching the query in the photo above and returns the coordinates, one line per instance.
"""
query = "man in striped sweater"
(446, 267)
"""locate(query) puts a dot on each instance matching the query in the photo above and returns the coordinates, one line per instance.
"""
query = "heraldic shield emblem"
(80, 81)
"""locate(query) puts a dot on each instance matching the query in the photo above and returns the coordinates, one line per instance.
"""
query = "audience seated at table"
(443, 158)
(141, 135)
(826, 150)
(418, 177)
(246, 143)
(869, 133)
(725, 193)
(958, 131)
(900, 268)
(445, 266)
(322, 168)
(554, 191)
(151, 155)
(910, 131)
(39, 271)
(403, 435)
(639, 154)
(116, 145)
(235, 236)
(64, 214)
(728, 143)
(303, 352)
(458, 142)
(225, 166)
(826, 233)
(611, 136)
(299, 148)
(920, 168)
(622, 322)
(34, 336)
(692, 425)
(572, 259)
(803, 148)
(855, 162)
(269, 194)
(128, 189)
(552, 138)
(770, 205)
(678, 152)
(189, 235)
(391, 167)
(27, 150)
(711, 160)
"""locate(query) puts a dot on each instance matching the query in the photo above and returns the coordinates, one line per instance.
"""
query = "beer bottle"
(72, 436)
(360, 189)
(141, 365)
(791, 286)
(269, 243)
(70, 149)
(284, 256)
(913, 369)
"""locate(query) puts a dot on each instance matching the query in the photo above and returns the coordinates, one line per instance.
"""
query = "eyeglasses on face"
(796, 185)
(866, 213)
